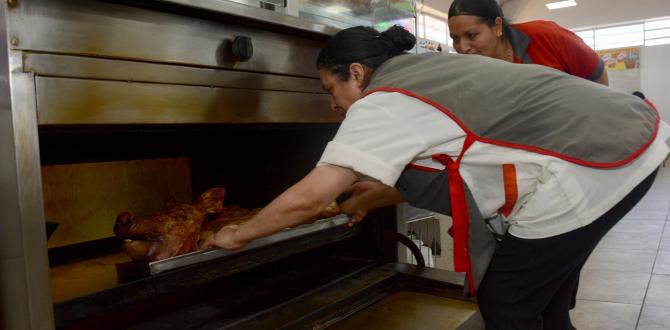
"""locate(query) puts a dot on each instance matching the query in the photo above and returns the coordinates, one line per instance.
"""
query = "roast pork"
(180, 229)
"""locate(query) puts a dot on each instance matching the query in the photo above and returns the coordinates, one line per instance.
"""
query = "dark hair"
(486, 10)
(363, 45)
(639, 94)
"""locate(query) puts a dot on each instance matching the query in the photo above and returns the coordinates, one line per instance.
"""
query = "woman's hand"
(368, 195)
(224, 238)
(356, 217)
(358, 205)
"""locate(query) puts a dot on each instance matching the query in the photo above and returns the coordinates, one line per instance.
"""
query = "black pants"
(530, 282)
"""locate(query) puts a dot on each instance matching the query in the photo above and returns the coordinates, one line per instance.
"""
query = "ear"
(498, 27)
(357, 72)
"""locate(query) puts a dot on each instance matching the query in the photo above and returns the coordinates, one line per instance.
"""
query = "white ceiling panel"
(587, 13)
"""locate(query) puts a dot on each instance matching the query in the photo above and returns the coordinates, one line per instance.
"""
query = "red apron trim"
(459, 212)
(651, 104)
(522, 146)
(511, 191)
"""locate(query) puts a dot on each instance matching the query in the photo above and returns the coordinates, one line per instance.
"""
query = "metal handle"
(404, 240)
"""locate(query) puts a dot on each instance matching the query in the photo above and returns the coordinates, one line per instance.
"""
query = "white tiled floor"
(625, 284)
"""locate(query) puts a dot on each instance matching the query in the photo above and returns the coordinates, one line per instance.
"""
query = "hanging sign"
(620, 58)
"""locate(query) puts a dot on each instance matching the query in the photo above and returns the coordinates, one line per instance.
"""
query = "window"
(652, 25)
(657, 32)
(587, 36)
(648, 33)
(436, 29)
(432, 28)
(620, 36)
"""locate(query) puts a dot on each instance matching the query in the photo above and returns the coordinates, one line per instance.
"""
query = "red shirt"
(547, 43)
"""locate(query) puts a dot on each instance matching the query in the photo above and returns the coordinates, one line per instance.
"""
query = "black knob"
(242, 48)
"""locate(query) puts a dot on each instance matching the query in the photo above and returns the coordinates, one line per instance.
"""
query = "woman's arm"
(296, 205)
(603, 79)
(575, 56)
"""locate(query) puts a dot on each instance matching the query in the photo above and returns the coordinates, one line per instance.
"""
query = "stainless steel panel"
(260, 3)
(10, 221)
(14, 308)
(322, 16)
(25, 298)
(30, 195)
(103, 29)
(10, 224)
(133, 71)
(201, 256)
(77, 101)
(346, 13)
(260, 14)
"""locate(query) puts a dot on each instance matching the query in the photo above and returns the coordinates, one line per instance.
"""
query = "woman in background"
(479, 27)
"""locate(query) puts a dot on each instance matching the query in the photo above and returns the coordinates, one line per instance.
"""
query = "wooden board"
(84, 199)
(410, 310)
(85, 277)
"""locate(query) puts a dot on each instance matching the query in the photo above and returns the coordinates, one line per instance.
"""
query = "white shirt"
(384, 132)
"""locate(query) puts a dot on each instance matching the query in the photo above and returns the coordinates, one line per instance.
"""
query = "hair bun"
(401, 39)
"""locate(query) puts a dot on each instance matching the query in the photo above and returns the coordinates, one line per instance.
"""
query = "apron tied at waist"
(459, 212)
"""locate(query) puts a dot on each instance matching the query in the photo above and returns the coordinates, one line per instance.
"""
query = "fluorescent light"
(561, 4)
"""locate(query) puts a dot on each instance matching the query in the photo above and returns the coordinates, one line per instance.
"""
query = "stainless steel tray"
(205, 255)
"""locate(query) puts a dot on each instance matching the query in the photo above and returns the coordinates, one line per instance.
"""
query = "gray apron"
(542, 110)
(430, 190)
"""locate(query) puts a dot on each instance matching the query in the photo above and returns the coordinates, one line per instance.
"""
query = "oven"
(112, 106)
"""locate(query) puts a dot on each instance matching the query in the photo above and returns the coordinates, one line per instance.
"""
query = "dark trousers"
(530, 282)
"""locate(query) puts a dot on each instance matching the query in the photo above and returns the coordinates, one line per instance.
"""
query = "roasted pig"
(183, 226)
(167, 234)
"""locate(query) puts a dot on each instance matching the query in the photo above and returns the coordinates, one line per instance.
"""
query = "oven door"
(392, 296)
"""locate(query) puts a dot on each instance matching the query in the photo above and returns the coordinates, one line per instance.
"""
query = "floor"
(625, 284)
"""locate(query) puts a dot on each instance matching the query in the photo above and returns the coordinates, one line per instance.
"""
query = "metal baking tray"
(205, 255)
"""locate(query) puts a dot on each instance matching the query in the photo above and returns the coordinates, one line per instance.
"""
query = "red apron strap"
(650, 104)
(459, 211)
(511, 190)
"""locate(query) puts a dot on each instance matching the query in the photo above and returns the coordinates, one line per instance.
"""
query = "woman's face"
(471, 35)
(343, 93)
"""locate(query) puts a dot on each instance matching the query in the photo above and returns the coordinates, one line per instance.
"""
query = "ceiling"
(587, 13)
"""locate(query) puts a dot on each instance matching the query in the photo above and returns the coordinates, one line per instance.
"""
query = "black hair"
(486, 10)
(639, 94)
(363, 45)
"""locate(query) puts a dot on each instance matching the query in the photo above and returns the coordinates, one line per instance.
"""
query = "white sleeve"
(384, 132)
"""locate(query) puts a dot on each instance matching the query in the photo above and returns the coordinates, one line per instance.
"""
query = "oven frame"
(54, 49)
(44, 40)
